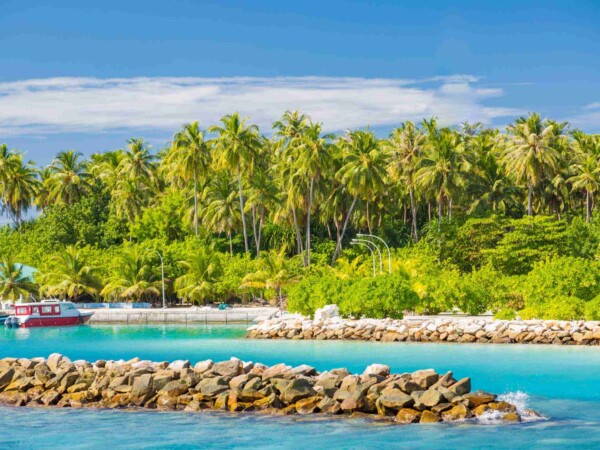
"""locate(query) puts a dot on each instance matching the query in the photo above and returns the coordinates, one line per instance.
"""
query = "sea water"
(562, 383)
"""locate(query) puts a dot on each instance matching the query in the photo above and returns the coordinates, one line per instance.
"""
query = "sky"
(89, 75)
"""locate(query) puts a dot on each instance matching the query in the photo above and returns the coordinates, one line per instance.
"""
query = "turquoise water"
(562, 383)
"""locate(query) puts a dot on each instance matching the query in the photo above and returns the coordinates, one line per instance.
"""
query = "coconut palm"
(137, 162)
(235, 148)
(363, 173)
(68, 275)
(262, 195)
(441, 168)
(202, 271)
(221, 211)
(133, 277)
(586, 168)
(313, 159)
(531, 152)
(188, 159)
(14, 284)
(406, 145)
(19, 187)
(69, 180)
(129, 198)
(275, 272)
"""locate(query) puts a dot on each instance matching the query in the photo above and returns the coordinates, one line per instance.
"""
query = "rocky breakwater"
(422, 396)
(431, 330)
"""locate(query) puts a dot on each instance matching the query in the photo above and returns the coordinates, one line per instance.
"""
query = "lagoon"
(560, 382)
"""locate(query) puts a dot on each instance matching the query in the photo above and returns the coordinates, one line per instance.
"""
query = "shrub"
(592, 309)
(560, 308)
(505, 314)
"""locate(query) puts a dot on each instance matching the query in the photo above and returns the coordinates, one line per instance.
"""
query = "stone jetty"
(236, 386)
(464, 330)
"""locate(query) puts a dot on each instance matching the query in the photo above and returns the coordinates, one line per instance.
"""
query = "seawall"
(431, 330)
(237, 386)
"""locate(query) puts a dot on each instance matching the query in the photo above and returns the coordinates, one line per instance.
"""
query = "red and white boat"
(47, 313)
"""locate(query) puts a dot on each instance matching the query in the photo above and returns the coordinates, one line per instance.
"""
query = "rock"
(408, 386)
(53, 361)
(303, 370)
(395, 398)
(502, 406)
(438, 409)
(203, 366)
(297, 390)
(329, 406)
(425, 378)
(429, 417)
(211, 387)
(431, 398)
(480, 398)
(461, 387)
(173, 389)
(239, 381)
(179, 364)
(274, 371)
(511, 417)
(327, 312)
(354, 401)
(327, 385)
(458, 412)
(481, 409)
(229, 368)
(308, 405)
(166, 402)
(142, 389)
(377, 369)
(50, 398)
(407, 415)
(6, 377)
(272, 401)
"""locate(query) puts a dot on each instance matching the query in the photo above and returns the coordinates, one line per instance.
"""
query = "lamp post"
(162, 271)
(386, 246)
(353, 242)
(376, 247)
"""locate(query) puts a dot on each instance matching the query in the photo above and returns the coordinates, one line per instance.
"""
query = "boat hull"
(34, 322)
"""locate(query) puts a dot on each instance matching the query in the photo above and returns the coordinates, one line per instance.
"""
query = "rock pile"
(431, 330)
(422, 396)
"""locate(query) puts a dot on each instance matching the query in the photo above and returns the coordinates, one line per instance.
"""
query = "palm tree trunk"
(338, 247)
(230, 243)
(299, 245)
(413, 210)
(242, 208)
(196, 203)
(310, 202)
(369, 219)
(588, 206)
(261, 220)
(254, 233)
(530, 200)
(450, 209)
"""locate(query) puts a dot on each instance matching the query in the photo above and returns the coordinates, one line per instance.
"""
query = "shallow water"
(561, 382)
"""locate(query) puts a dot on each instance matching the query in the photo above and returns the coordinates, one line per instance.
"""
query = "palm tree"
(363, 173)
(275, 272)
(68, 275)
(313, 159)
(202, 272)
(221, 211)
(68, 181)
(133, 277)
(19, 188)
(262, 196)
(137, 162)
(129, 198)
(14, 284)
(188, 159)
(406, 145)
(586, 168)
(441, 168)
(531, 152)
(236, 143)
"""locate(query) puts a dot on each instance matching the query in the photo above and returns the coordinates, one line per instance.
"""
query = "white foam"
(520, 399)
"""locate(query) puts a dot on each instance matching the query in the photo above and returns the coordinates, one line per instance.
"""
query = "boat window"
(68, 306)
(56, 309)
(47, 309)
(21, 310)
(35, 310)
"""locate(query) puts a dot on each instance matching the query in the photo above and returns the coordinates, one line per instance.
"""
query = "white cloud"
(58, 105)
(588, 117)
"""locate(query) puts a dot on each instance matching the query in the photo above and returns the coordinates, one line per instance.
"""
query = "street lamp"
(376, 247)
(386, 246)
(162, 270)
(353, 242)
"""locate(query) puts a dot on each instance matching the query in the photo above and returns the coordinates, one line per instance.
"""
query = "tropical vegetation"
(478, 219)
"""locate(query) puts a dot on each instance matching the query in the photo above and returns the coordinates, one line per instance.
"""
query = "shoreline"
(443, 330)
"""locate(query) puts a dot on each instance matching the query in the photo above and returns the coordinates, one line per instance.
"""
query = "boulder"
(377, 369)
(297, 390)
(511, 417)
(142, 389)
(211, 387)
(461, 387)
(308, 405)
(425, 378)
(407, 415)
(329, 406)
(6, 377)
(203, 366)
(431, 398)
(231, 368)
(173, 388)
(327, 312)
(179, 364)
(429, 417)
(303, 370)
(395, 398)
(458, 412)
(53, 361)
(479, 398)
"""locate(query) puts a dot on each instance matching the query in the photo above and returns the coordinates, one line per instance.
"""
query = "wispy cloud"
(59, 105)
(588, 117)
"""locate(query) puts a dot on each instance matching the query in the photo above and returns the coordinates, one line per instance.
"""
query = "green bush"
(592, 309)
(505, 314)
(559, 308)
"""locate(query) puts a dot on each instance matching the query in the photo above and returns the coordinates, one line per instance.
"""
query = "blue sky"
(88, 77)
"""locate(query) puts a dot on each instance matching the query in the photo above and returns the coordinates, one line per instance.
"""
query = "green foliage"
(561, 307)
(592, 309)
(505, 314)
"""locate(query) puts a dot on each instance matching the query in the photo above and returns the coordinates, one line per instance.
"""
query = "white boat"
(47, 313)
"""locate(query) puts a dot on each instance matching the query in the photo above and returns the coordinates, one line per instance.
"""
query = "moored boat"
(47, 313)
